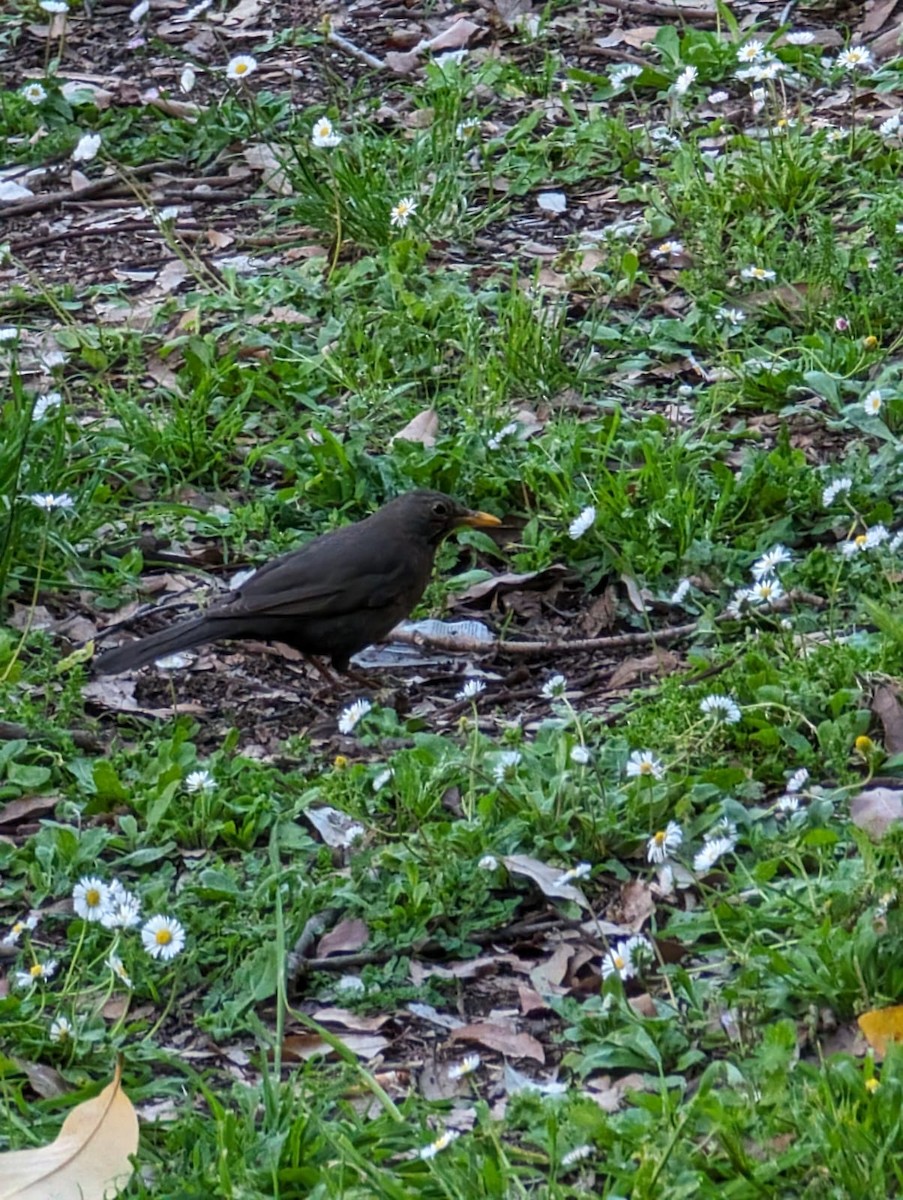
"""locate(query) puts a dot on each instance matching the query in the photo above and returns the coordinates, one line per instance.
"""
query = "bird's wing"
(329, 576)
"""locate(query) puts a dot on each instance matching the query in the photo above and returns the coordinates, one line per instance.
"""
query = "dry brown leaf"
(347, 937)
(882, 1026)
(637, 904)
(456, 36)
(351, 1020)
(887, 708)
(662, 662)
(27, 807)
(423, 429)
(336, 828)
(243, 12)
(875, 810)
(500, 1038)
(299, 1047)
(877, 13)
(263, 158)
(89, 1159)
(545, 877)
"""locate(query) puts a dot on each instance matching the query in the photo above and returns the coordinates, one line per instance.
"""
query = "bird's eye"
(440, 509)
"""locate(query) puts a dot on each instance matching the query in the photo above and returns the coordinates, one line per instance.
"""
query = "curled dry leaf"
(887, 707)
(882, 1026)
(545, 877)
(875, 810)
(423, 428)
(89, 1159)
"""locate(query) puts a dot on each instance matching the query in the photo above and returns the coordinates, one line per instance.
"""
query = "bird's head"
(430, 516)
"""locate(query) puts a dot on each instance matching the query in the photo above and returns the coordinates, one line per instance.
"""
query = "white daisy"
(44, 404)
(872, 403)
(618, 76)
(712, 850)
(351, 715)
(750, 51)
(401, 213)
(758, 273)
(580, 755)
(854, 57)
(241, 67)
(61, 1030)
(578, 1154)
(775, 557)
(36, 973)
(200, 781)
(467, 1066)
(798, 780)
(471, 689)
(733, 316)
(465, 129)
(116, 965)
(512, 429)
(505, 764)
(623, 958)
(123, 910)
(324, 135)
(488, 863)
(725, 708)
(87, 147)
(664, 842)
(584, 521)
(838, 488)
(34, 93)
(668, 249)
(49, 500)
(581, 871)
(441, 1143)
(163, 937)
(644, 764)
(684, 81)
(788, 804)
(766, 590)
(90, 898)
(799, 37)
(892, 125)
(554, 688)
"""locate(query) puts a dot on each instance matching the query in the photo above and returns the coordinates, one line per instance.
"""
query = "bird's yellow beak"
(478, 520)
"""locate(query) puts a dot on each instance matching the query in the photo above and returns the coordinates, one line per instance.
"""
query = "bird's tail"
(193, 632)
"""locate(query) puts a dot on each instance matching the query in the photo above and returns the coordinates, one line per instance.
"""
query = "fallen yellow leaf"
(881, 1026)
(89, 1159)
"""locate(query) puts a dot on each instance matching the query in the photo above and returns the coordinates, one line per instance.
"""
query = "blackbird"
(334, 596)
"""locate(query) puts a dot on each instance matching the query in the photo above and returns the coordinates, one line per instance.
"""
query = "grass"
(700, 409)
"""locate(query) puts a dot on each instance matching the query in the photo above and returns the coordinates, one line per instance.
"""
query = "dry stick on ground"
(297, 964)
(573, 645)
(55, 199)
(649, 8)
(364, 56)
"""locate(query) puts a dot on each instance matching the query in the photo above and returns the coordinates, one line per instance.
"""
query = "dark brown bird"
(334, 596)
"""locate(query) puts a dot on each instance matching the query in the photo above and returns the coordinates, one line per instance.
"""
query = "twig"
(55, 199)
(364, 56)
(648, 8)
(343, 962)
(575, 645)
